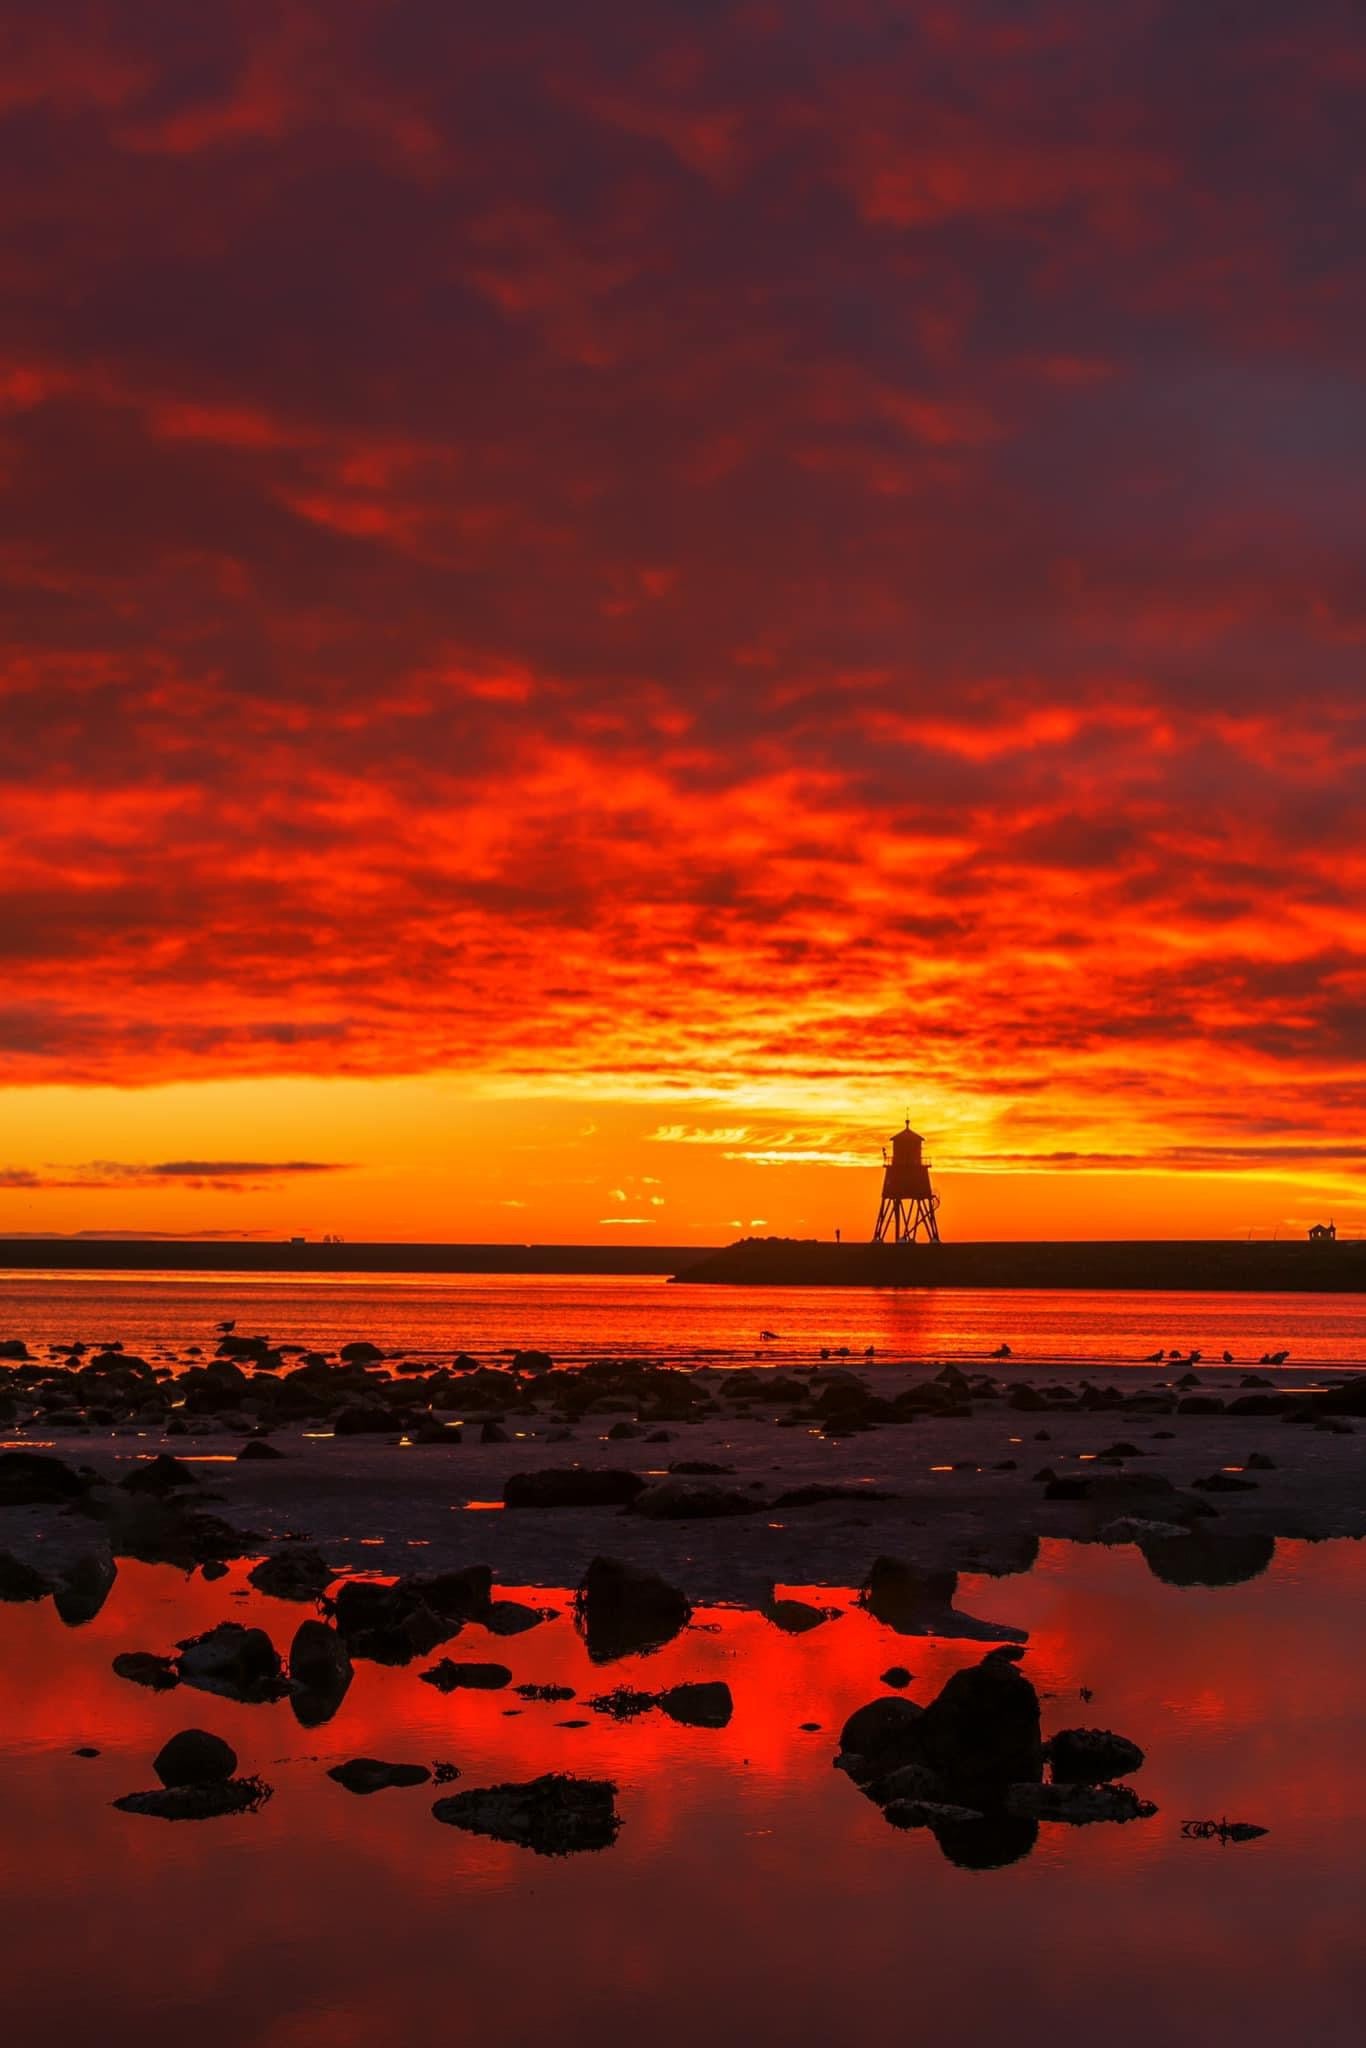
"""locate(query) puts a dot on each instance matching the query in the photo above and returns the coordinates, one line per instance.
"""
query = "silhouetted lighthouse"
(908, 1201)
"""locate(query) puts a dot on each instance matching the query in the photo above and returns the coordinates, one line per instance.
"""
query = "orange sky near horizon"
(595, 606)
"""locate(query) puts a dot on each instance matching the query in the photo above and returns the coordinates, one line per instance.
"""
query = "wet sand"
(375, 1502)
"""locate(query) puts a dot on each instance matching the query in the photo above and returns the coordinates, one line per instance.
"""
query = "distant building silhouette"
(909, 1204)
(1322, 1233)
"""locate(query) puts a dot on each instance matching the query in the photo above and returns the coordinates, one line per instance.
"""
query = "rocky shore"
(732, 1481)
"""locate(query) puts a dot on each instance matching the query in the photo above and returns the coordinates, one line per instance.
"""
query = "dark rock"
(320, 1671)
(360, 1352)
(624, 1610)
(511, 1618)
(236, 1663)
(818, 1492)
(702, 1705)
(795, 1617)
(699, 1468)
(293, 1574)
(194, 1757)
(365, 1774)
(982, 1732)
(84, 1586)
(571, 1486)
(141, 1667)
(364, 1419)
(1077, 1804)
(460, 1595)
(256, 1447)
(532, 1361)
(555, 1815)
(448, 1676)
(546, 1693)
(681, 1500)
(493, 1433)
(160, 1475)
(896, 1675)
(1225, 1482)
(882, 1736)
(33, 1479)
(1089, 1756)
(198, 1802)
(1206, 1558)
(13, 1350)
(19, 1581)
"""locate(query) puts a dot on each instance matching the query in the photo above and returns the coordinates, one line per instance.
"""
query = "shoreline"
(939, 1470)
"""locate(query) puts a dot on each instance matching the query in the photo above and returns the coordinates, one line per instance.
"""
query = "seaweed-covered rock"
(555, 1815)
(1077, 1805)
(1089, 1756)
(159, 1475)
(198, 1802)
(982, 1732)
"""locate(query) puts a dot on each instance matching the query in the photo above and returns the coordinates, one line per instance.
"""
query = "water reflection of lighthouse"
(908, 1203)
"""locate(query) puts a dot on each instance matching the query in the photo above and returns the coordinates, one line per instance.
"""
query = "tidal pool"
(752, 1892)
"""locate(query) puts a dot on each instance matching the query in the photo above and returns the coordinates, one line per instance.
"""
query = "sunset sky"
(599, 601)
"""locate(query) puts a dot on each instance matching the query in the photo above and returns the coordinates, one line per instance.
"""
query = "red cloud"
(692, 559)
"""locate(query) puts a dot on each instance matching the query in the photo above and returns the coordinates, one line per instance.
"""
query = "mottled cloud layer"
(799, 554)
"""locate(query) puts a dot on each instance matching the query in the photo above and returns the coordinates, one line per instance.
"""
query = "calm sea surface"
(584, 1318)
(752, 1894)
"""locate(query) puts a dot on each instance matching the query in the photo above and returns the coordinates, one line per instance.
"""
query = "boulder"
(624, 1610)
(141, 1667)
(360, 1352)
(159, 1476)
(1207, 1558)
(795, 1617)
(1088, 1756)
(511, 1617)
(366, 1774)
(194, 1757)
(555, 1815)
(84, 1586)
(982, 1732)
(572, 1486)
(298, 1573)
(320, 1673)
(33, 1479)
(236, 1663)
(448, 1676)
(257, 1447)
(700, 1705)
(880, 1736)
(19, 1581)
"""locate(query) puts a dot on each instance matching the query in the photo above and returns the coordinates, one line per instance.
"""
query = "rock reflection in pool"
(750, 1889)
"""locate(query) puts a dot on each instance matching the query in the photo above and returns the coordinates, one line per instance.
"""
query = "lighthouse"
(908, 1203)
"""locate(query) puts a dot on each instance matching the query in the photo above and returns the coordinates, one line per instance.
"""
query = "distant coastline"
(277, 1255)
(1159, 1265)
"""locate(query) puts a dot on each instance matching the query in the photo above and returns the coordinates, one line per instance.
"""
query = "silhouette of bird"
(1228, 1358)
(230, 1324)
(1084, 1692)
(1155, 1358)
(1002, 1351)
